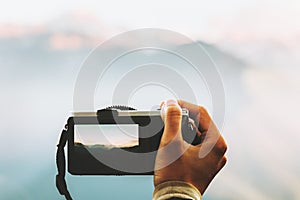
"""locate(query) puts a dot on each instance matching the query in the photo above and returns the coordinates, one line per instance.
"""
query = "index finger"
(213, 139)
(198, 113)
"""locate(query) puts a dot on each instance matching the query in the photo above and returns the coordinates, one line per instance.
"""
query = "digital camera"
(118, 141)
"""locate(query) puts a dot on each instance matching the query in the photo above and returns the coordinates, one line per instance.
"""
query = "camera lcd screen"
(107, 135)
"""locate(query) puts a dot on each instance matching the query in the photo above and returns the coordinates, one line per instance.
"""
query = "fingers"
(199, 113)
(172, 116)
(205, 124)
(220, 147)
(212, 144)
(221, 163)
(213, 140)
(193, 109)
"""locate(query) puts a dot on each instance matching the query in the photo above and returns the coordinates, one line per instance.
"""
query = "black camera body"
(114, 159)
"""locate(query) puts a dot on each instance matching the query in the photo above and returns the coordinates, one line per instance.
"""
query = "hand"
(177, 160)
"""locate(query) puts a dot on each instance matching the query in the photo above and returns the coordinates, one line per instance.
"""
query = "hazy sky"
(206, 19)
(263, 158)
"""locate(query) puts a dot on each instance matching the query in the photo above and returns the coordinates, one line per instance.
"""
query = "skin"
(177, 160)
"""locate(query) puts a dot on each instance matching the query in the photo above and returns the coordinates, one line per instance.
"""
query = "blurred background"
(255, 45)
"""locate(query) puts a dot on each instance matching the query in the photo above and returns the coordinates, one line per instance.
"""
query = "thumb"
(172, 116)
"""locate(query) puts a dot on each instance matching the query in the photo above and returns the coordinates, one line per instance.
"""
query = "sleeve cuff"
(177, 189)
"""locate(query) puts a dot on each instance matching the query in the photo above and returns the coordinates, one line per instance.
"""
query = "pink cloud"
(60, 41)
(14, 30)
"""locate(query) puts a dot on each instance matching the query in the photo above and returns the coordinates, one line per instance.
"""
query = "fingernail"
(171, 102)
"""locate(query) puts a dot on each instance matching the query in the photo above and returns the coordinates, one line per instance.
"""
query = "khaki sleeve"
(176, 189)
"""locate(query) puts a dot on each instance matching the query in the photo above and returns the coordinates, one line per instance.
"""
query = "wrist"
(176, 189)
